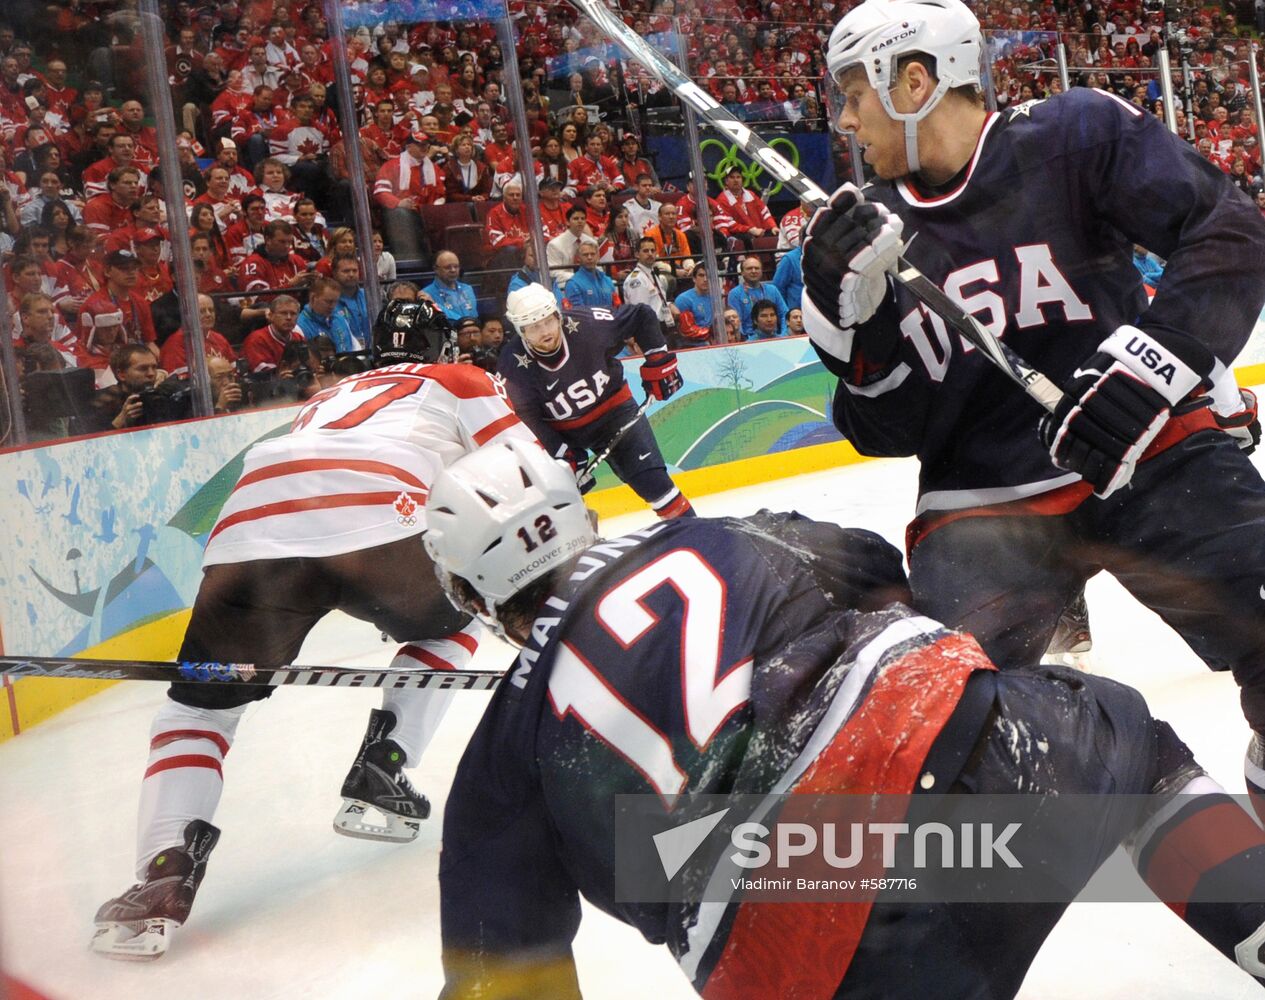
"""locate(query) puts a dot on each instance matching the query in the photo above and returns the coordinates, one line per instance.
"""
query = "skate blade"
(352, 821)
(133, 941)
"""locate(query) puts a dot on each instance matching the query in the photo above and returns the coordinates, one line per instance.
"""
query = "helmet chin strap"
(911, 119)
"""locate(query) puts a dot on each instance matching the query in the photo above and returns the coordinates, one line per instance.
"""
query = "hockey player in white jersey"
(329, 516)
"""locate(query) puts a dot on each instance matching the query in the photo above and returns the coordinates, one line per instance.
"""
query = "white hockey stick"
(18, 667)
(1037, 385)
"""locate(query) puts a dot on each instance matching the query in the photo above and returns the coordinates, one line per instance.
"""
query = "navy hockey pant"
(261, 611)
(636, 459)
(1186, 538)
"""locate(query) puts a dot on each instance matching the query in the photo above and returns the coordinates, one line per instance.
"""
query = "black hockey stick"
(584, 474)
(1037, 385)
(18, 667)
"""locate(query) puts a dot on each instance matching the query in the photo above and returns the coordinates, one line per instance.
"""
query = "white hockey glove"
(1115, 404)
(848, 249)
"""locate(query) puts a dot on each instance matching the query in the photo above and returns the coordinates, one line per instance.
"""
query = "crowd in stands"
(268, 177)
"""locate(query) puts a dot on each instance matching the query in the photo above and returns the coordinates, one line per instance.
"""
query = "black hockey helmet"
(413, 332)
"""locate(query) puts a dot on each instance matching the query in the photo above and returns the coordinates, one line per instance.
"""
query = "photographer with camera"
(226, 388)
(121, 405)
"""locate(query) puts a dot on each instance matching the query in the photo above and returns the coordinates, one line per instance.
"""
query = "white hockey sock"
(419, 712)
(183, 779)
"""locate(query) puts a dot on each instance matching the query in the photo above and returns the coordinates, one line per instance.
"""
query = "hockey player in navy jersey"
(326, 517)
(771, 652)
(568, 387)
(1027, 217)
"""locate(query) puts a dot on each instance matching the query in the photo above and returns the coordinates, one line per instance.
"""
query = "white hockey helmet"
(530, 304)
(878, 33)
(500, 518)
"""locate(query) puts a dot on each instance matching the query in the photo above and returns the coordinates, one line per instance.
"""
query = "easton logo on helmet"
(907, 33)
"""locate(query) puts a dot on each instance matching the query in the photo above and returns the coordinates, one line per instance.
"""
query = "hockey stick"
(584, 475)
(18, 667)
(1037, 385)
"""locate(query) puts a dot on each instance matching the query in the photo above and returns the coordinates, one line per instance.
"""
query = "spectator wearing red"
(594, 169)
(246, 235)
(553, 210)
(219, 195)
(500, 145)
(59, 95)
(465, 177)
(507, 226)
(39, 323)
(122, 153)
(598, 215)
(234, 100)
(173, 358)
(108, 212)
(211, 275)
(240, 180)
(78, 274)
(750, 214)
(153, 276)
(275, 264)
(631, 163)
(303, 145)
(132, 122)
(405, 184)
(117, 298)
(252, 130)
(722, 221)
(384, 132)
(263, 348)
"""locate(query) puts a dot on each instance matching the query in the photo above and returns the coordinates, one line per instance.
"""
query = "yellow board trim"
(40, 698)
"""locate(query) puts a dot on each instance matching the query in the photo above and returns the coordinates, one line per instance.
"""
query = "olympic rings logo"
(751, 171)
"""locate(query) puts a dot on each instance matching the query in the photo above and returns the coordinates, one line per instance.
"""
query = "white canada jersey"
(356, 467)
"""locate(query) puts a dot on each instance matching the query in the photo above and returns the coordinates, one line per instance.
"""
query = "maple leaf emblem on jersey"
(406, 507)
(309, 147)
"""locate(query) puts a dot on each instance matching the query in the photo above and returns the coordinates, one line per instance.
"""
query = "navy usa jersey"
(561, 396)
(696, 655)
(1034, 239)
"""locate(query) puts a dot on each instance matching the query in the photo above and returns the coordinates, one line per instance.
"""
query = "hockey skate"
(376, 781)
(1072, 639)
(137, 925)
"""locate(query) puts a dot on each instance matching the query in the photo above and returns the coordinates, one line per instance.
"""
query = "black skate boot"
(1072, 639)
(137, 925)
(377, 781)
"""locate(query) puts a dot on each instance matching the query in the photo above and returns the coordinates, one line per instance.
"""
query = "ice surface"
(290, 910)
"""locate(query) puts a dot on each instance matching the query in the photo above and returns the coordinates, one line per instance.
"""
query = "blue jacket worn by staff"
(456, 300)
(789, 278)
(590, 287)
(335, 326)
(743, 298)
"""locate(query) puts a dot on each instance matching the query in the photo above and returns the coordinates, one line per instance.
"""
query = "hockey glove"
(1114, 406)
(1243, 425)
(659, 376)
(848, 249)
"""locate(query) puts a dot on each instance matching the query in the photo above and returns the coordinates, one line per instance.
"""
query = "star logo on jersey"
(1025, 108)
(523, 360)
(573, 324)
(406, 509)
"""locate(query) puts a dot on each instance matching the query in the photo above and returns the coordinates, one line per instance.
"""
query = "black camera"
(169, 400)
(266, 389)
(485, 358)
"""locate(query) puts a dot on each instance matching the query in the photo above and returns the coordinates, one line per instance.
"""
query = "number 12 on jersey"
(577, 688)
